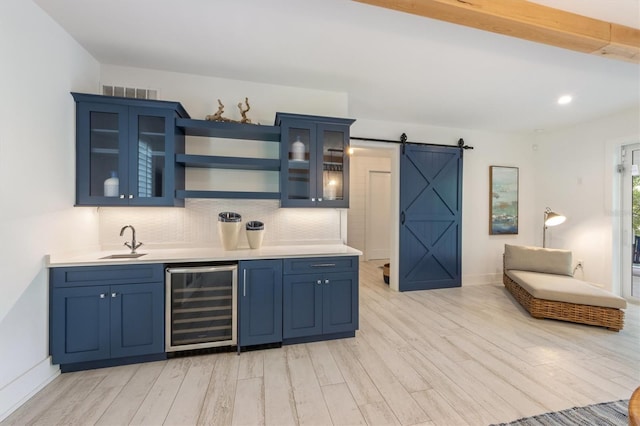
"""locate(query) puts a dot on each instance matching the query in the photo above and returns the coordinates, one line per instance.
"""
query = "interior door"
(430, 217)
(378, 216)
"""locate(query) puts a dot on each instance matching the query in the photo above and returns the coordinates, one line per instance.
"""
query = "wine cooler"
(201, 307)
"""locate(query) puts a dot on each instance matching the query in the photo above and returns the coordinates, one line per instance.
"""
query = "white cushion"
(538, 259)
(561, 288)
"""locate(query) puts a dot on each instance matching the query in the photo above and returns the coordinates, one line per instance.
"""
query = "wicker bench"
(541, 280)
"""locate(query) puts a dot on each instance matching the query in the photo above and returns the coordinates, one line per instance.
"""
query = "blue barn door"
(430, 217)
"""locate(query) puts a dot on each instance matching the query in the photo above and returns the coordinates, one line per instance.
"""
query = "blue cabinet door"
(340, 302)
(137, 319)
(302, 305)
(260, 302)
(101, 150)
(79, 329)
(298, 166)
(152, 148)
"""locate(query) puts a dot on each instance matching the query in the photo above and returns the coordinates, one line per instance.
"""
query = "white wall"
(199, 94)
(40, 65)
(576, 177)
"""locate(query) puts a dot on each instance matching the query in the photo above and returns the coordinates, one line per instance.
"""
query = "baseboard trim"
(481, 279)
(16, 393)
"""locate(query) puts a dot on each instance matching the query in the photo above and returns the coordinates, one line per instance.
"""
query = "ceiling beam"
(529, 21)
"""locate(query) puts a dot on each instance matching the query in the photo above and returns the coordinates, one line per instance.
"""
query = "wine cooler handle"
(244, 282)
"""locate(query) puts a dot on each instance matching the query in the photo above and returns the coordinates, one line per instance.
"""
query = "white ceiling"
(393, 66)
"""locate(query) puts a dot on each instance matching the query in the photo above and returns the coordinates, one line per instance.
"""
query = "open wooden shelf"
(222, 162)
(182, 194)
(221, 129)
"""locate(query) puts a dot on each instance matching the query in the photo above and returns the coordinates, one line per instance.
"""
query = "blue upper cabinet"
(125, 151)
(314, 170)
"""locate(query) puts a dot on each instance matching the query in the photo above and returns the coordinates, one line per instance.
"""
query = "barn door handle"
(402, 218)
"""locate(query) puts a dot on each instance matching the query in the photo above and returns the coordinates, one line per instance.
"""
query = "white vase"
(297, 150)
(255, 237)
(229, 232)
(112, 185)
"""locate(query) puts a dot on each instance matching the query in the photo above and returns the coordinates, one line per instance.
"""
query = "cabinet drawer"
(320, 265)
(105, 275)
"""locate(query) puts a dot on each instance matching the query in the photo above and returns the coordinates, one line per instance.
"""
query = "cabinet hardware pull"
(114, 294)
(319, 282)
(323, 265)
(130, 196)
(326, 281)
(122, 196)
(319, 200)
(103, 295)
(313, 199)
(244, 283)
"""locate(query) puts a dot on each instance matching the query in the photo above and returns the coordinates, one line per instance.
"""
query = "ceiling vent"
(129, 92)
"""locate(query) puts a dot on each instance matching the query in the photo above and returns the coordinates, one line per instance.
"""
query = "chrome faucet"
(134, 244)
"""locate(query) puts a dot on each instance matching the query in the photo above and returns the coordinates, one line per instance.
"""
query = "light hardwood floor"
(459, 356)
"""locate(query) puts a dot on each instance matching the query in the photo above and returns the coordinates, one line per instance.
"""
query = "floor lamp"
(550, 219)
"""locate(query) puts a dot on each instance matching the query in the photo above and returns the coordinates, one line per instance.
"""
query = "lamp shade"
(553, 219)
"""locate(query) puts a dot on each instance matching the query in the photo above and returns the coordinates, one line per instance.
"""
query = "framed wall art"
(503, 200)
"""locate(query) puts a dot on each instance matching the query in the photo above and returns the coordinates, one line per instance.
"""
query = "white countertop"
(203, 254)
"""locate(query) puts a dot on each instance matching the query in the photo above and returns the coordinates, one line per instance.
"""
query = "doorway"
(384, 158)
(630, 235)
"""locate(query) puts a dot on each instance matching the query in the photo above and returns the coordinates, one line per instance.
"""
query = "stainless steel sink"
(124, 256)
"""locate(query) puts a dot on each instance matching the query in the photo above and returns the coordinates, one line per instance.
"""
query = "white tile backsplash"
(197, 224)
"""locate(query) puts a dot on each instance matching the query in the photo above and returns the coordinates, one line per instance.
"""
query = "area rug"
(613, 413)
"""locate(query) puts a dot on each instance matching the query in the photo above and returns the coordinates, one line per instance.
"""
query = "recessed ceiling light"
(564, 99)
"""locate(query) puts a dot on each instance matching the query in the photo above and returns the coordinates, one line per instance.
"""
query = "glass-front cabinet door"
(297, 183)
(314, 161)
(102, 158)
(333, 144)
(150, 168)
(125, 154)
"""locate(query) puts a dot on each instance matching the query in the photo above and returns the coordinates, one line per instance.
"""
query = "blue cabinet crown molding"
(313, 118)
(141, 103)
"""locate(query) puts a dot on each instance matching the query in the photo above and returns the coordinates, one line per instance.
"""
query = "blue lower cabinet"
(102, 325)
(320, 306)
(260, 302)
